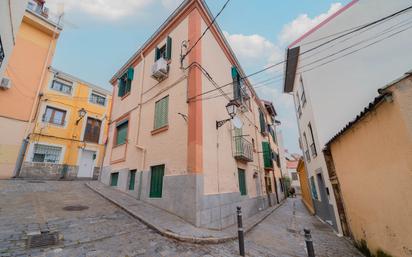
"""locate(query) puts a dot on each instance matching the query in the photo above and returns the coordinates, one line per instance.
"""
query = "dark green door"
(242, 181)
(114, 177)
(156, 181)
(132, 179)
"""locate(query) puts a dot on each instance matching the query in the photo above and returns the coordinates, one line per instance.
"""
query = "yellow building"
(70, 131)
(375, 185)
(304, 186)
(23, 78)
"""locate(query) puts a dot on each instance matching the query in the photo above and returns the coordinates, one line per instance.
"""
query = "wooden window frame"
(54, 109)
(85, 137)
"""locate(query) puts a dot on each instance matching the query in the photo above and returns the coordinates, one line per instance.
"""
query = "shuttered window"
(236, 84)
(125, 82)
(114, 177)
(132, 177)
(165, 51)
(121, 132)
(242, 181)
(92, 132)
(156, 181)
(262, 122)
(161, 113)
(267, 155)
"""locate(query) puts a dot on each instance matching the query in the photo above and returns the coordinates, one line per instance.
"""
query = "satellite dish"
(237, 123)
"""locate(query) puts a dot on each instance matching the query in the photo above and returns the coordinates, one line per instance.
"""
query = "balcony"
(313, 150)
(38, 8)
(243, 149)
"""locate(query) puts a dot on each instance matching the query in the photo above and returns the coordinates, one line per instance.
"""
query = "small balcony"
(38, 8)
(313, 150)
(243, 149)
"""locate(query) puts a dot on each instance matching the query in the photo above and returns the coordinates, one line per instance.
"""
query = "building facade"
(26, 70)
(11, 14)
(332, 70)
(172, 142)
(304, 186)
(379, 144)
(291, 164)
(70, 129)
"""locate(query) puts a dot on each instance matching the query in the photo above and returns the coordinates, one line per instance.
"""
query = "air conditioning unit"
(5, 83)
(160, 69)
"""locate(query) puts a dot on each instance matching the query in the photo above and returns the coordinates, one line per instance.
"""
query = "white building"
(335, 68)
(11, 14)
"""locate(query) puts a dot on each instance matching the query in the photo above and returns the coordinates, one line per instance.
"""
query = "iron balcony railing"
(243, 149)
(313, 150)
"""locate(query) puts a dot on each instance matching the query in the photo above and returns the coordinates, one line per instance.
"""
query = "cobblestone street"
(105, 230)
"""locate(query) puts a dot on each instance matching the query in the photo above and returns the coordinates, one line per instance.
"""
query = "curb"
(170, 234)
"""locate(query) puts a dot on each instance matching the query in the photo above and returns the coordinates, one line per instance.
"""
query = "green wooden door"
(114, 177)
(267, 155)
(242, 181)
(156, 181)
(132, 179)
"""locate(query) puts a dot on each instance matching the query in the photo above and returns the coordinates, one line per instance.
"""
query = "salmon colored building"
(171, 140)
(26, 70)
(374, 187)
(70, 129)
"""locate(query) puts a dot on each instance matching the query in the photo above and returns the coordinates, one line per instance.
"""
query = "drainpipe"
(141, 148)
(24, 144)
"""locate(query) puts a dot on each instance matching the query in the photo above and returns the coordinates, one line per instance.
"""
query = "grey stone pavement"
(106, 230)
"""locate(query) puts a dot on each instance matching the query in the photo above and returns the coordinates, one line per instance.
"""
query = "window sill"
(123, 97)
(119, 145)
(160, 130)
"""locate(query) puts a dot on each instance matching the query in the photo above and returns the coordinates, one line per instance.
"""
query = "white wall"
(9, 26)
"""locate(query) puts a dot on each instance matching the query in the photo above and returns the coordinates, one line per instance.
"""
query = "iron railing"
(243, 149)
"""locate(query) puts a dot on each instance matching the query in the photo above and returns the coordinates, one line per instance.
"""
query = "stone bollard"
(240, 231)
(309, 243)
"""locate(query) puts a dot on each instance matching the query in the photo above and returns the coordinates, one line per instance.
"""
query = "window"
(2, 55)
(303, 96)
(294, 176)
(63, 86)
(165, 51)
(121, 132)
(307, 147)
(267, 155)
(312, 145)
(313, 187)
(237, 89)
(268, 183)
(156, 181)
(281, 184)
(92, 132)
(273, 133)
(46, 153)
(299, 109)
(161, 113)
(242, 181)
(97, 98)
(125, 82)
(262, 122)
(54, 115)
(114, 177)
(132, 178)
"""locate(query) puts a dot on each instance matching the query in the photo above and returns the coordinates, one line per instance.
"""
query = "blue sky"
(100, 35)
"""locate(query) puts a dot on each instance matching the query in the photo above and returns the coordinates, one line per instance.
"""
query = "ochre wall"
(373, 165)
(304, 186)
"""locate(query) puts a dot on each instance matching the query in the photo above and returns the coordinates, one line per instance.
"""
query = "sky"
(100, 35)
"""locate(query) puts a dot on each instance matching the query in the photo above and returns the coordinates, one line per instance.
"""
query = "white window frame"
(30, 154)
(63, 81)
(91, 92)
(43, 110)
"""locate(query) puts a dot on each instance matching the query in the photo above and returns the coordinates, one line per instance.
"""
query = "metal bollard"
(240, 231)
(309, 243)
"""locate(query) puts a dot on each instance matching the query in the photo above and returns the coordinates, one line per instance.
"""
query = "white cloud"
(253, 48)
(108, 9)
(171, 4)
(303, 23)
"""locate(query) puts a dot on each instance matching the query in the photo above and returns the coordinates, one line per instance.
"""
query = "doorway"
(86, 165)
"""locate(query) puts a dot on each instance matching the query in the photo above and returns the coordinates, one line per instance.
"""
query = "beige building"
(171, 140)
(375, 185)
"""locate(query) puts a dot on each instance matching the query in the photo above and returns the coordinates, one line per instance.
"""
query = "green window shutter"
(157, 53)
(236, 83)
(156, 181)
(262, 122)
(121, 131)
(114, 177)
(169, 48)
(130, 73)
(161, 112)
(132, 179)
(267, 155)
(242, 181)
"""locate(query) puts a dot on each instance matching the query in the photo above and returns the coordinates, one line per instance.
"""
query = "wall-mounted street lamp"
(231, 108)
(82, 113)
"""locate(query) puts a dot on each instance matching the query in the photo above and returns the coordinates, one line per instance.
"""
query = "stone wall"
(52, 171)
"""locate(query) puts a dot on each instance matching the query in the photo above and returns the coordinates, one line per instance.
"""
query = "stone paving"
(105, 230)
